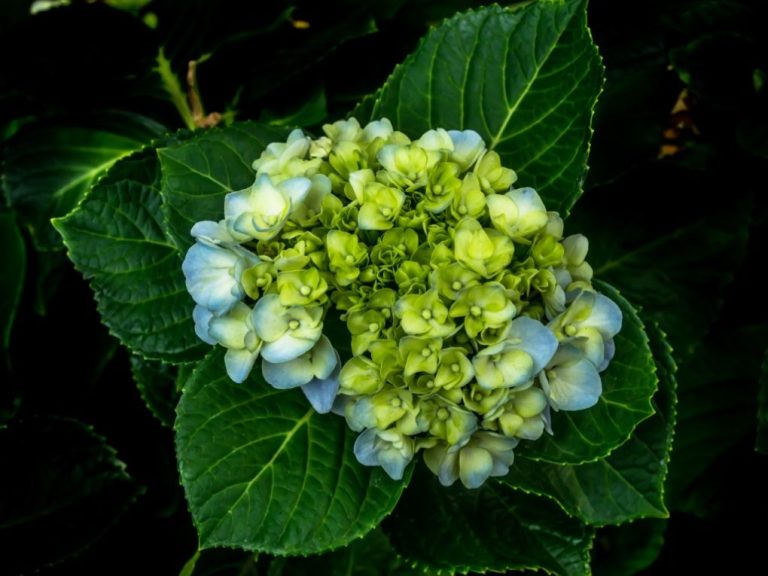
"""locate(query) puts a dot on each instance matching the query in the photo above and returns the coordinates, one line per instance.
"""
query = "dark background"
(703, 165)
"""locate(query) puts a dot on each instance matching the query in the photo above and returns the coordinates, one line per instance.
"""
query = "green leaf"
(64, 487)
(526, 78)
(629, 548)
(629, 482)
(50, 166)
(369, 556)
(199, 172)
(676, 286)
(761, 444)
(264, 472)
(13, 263)
(493, 528)
(116, 239)
(628, 385)
(157, 384)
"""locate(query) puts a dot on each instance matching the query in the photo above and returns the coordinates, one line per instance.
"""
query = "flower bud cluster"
(470, 315)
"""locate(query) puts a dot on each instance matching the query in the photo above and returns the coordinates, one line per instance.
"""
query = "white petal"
(211, 232)
(295, 189)
(467, 147)
(239, 364)
(286, 348)
(576, 385)
(606, 316)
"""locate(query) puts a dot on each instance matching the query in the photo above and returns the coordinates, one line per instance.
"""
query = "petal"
(475, 466)
(394, 461)
(574, 385)
(365, 448)
(211, 232)
(322, 393)
(325, 359)
(295, 189)
(286, 375)
(202, 316)
(239, 364)
(467, 147)
(286, 348)
(606, 316)
(269, 318)
(536, 339)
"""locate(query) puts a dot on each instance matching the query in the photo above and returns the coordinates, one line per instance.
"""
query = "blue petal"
(286, 375)
(322, 393)
(536, 339)
(365, 448)
(393, 462)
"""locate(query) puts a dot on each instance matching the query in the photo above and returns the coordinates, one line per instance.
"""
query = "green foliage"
(117, 239)
(455, 529)
(526, 79)
(67, 488)
(264, 472)
(628, 483)
(13, 262)
(628, 385)
(198, 173)
(52, 166)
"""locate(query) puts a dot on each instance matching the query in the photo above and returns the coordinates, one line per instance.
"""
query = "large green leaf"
(629, 482)
(525, 78)
(50, 166)
(157, 383)
(263, 471)
(761, 445)
(492, 528)
(199, 172)
(628, 385)
(116, 239)
(62, 488)
(677, 287)
(13, 262)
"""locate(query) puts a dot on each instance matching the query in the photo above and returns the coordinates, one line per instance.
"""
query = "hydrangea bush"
(470, 315)
(333, 303)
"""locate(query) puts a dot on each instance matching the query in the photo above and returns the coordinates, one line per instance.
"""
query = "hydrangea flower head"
(469, 316)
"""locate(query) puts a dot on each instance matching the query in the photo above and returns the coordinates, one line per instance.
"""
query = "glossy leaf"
(526, 78)
(157, 384)
(493, 528)
(628, 385)
(116, 239)
(265, 472)
(50, 167)
(199, 172)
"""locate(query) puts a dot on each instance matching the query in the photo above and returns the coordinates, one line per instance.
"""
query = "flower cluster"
(470, 316)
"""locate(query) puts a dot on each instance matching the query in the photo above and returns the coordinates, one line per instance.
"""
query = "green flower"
(492, 176)
(360, 376)
(468, 200)
(301, 287)
(486, 454)
(483, 306)
(345, 256)
(454, 369)
(420, 354)
(447, 421)
(484, 251)
(443, 184)
(424, 315)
